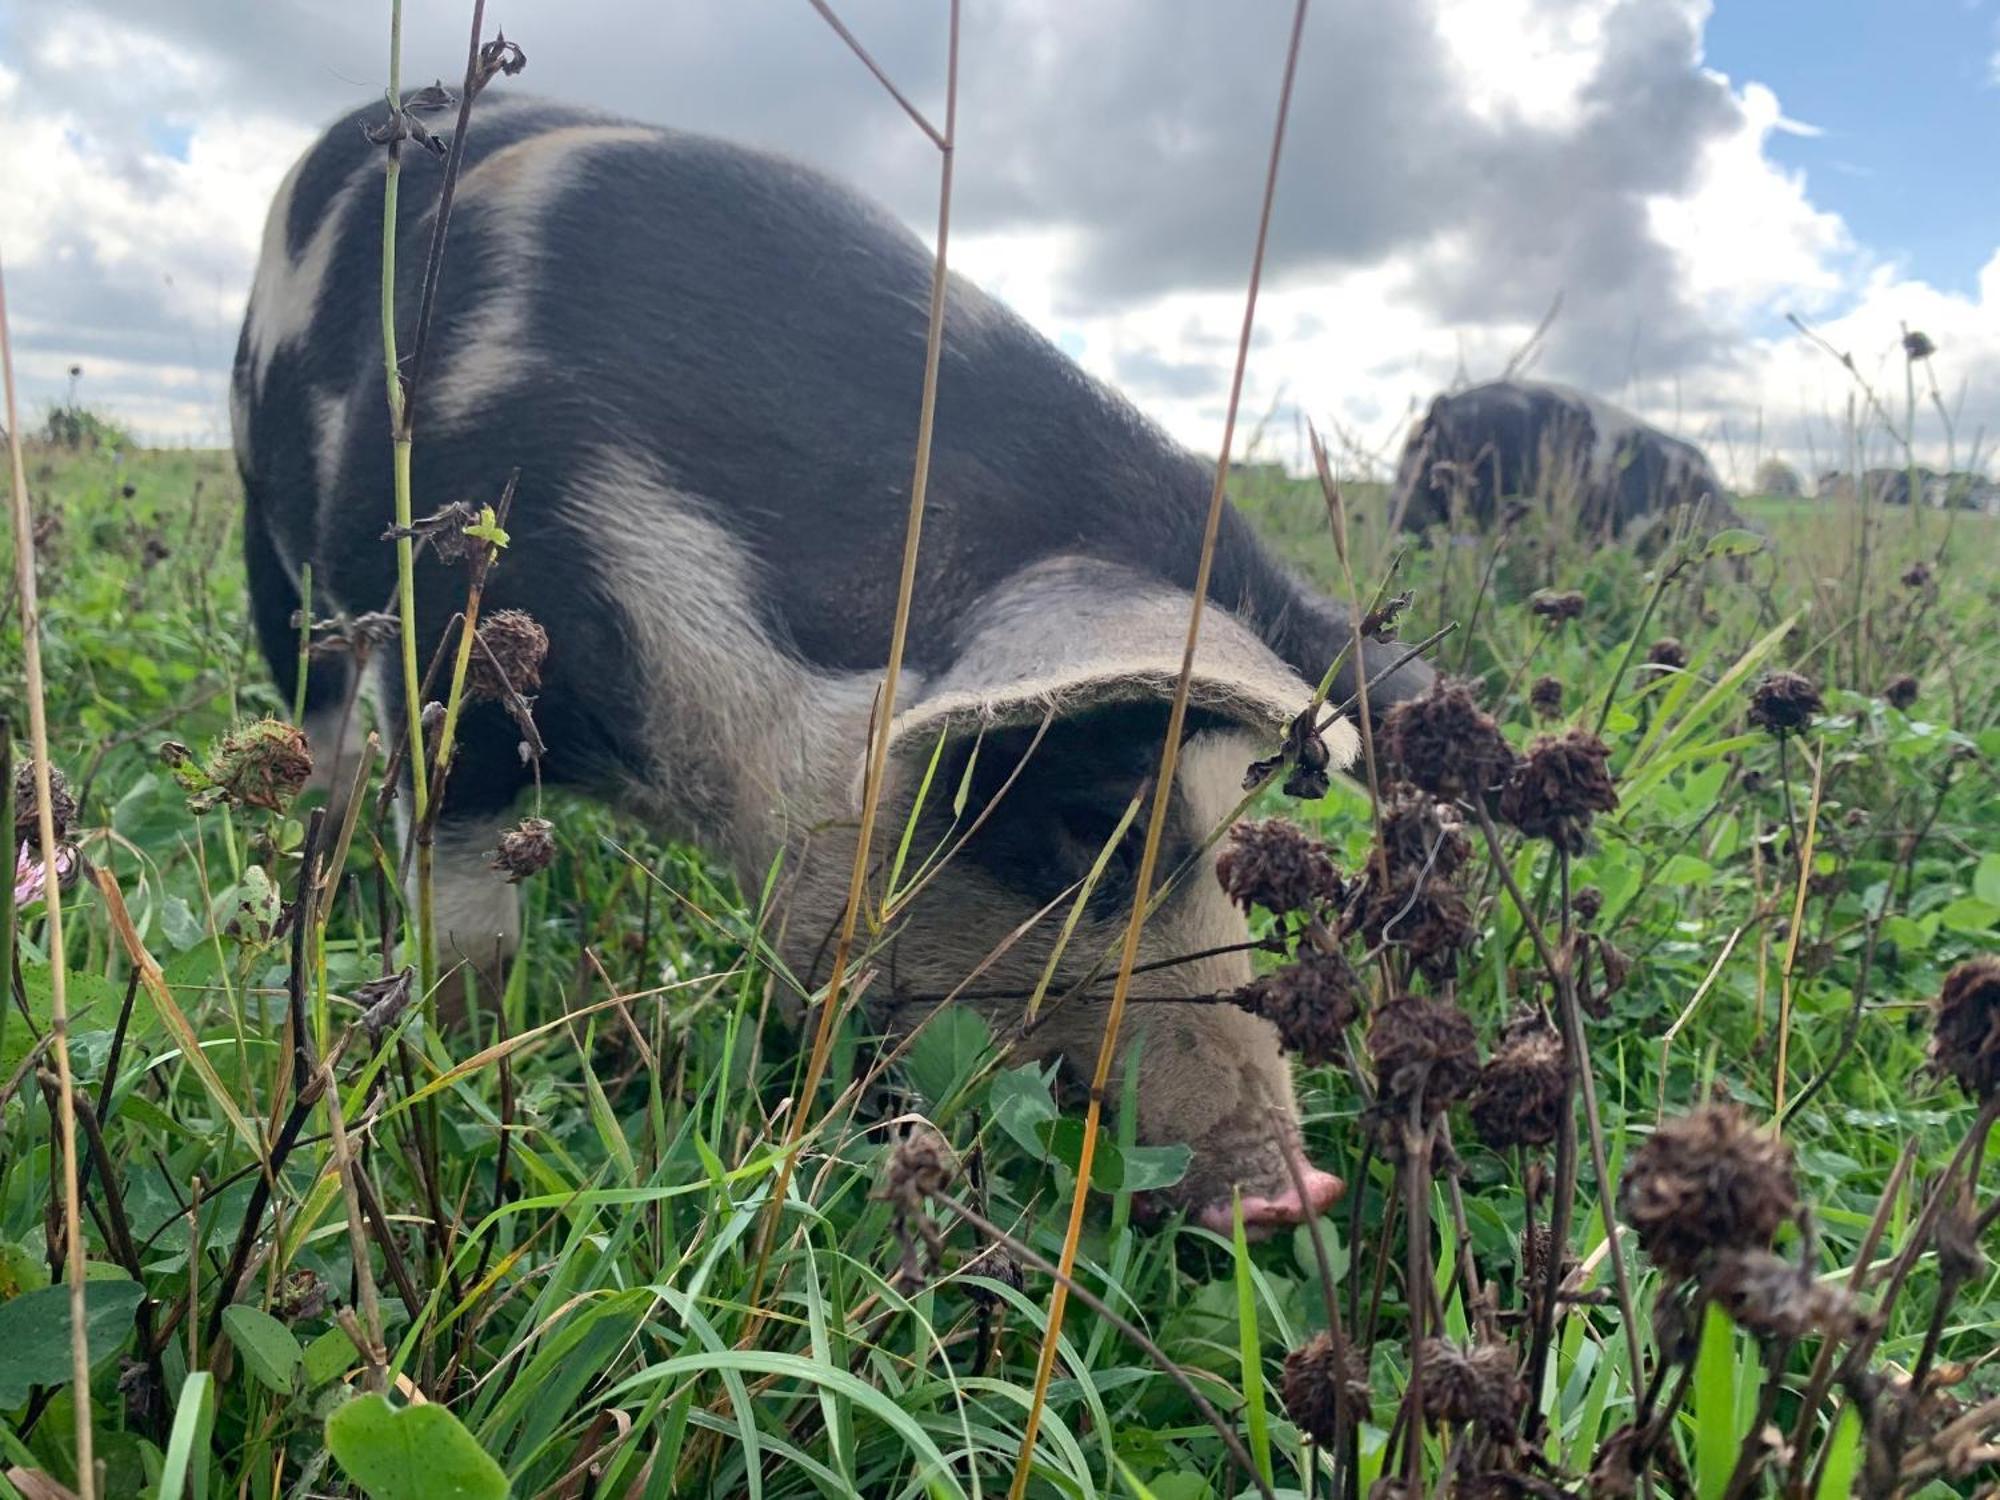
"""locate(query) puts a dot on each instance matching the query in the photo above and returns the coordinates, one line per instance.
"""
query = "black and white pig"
(705, 362)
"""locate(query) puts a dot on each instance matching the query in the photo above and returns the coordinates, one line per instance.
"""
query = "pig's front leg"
(1210, 1077)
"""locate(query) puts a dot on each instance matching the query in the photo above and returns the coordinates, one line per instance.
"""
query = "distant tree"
(1776, 477)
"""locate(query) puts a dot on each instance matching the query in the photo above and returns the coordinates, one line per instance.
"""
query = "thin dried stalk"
(38, 738)
(885, 706)
(1792, 937)
(1162, 797)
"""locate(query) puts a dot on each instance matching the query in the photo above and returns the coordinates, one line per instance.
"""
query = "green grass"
(586, 1299)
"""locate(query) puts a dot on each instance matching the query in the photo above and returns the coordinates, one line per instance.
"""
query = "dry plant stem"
(885, 706)
(373, 1376)
(1805, 853)
(1162, 791)
(45, 828)
(1416, 1175)
(1670, 567)
(1151, 1350)
(1331, 1298)
(1578, 1047)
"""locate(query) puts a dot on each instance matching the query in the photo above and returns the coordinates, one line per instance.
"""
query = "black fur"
(757, 332)
(1525, 440)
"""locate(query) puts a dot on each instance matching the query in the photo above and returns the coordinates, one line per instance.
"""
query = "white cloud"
(1444, 182)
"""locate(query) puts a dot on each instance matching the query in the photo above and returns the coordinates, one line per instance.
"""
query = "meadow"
(544, 1231)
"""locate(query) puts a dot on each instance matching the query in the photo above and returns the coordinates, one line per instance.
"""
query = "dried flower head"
(1305, 751)
(1535, 1257)
(1917, 575)
(28, 806)
(445, 527)
(525, 849)
(262, 765)
(1312, 1001)
(1422, 836)
(1586, 903)
(1446, 743)
(1706, 1181)
(1917, 345)
(1900, 691)
(507, 658)
(384, 1002)
(1784, 703)
(1425, 917)
(1546, 697)
(1523, 1093)
(995, 1263)
(1559, 787)
(1318, 1373)
(1667, 652)
(1478, 1384)
(1422, 1048)
(1556, 606)
(1778, 1298)
(1277, 865)
(921, 1166)
(1965, 1037)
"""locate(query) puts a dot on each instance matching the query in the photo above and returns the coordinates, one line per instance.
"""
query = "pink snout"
(1262, 1216)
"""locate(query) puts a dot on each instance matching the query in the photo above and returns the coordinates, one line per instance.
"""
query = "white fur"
(512, 191)
(286, 292)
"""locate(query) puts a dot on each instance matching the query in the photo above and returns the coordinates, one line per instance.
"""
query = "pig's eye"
(1088, 828)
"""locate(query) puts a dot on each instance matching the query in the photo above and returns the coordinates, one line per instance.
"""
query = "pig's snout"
(1262, 1215)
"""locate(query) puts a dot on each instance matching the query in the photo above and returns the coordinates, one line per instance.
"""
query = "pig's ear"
(1070, 636)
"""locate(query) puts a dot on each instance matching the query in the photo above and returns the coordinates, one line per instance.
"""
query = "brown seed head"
(1277, 865)
(1427, 918)
(1421, 836)
(1422, 1048)
(1900, 691)
(1706, 1181)
(1585, 903)
(1312, 1001)
(261, 765)
(1558, 606)
(1535, 1257)
(1446, 743)
(1313, 1373)
(1917, 575)
(1559, 787)
(1523, 1093)
(995, 1263)
(1546, 697)
(525, 849)
(28, 806)
(1668, 652)
(507, 657)
(1784, 703)
(922, 1166)
(1918, 345)
(1477, 1384)
(1778, 1298)
(1965, 1037)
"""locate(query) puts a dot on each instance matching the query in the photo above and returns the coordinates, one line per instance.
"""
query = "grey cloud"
(1144, 373)
(1139, 125)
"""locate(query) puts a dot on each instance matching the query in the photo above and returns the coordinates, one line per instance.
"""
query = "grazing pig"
(705, 362)
(1552, 446)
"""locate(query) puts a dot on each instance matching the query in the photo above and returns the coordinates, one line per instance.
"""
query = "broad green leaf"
(1249, 1348)
(415, 1453)
(1715, 1442)
(1021, 1103)
(1735, 542)
(1986, 879)
(1969, 914)
(328, 1357)
(35, 1333)
(269, 1351)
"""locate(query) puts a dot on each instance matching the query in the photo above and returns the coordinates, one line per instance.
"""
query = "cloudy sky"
(1680, 176)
